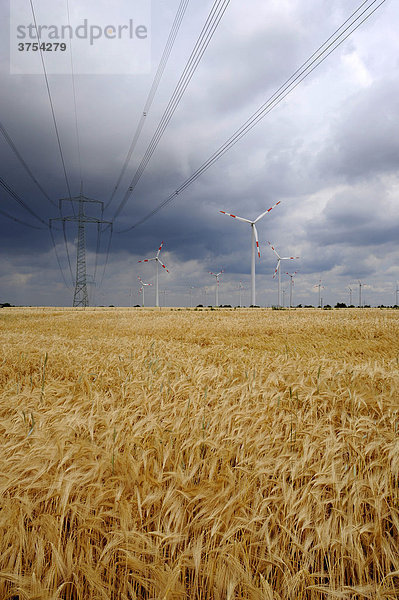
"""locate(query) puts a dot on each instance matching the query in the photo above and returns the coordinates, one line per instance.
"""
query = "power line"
(107, 254)
(56, 133)
(51, 102)
(161, 67)
(8, 216)
(15, 196)
(211, 24)
(10, 142)
(56, 254)
(296, 78)
(74, 101)
(66, 247)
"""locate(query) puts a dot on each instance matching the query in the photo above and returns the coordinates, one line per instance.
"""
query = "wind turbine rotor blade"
(159, 249)
(266, 211)
(274, 250)
(289, 257)
(235, 217)
(256, 239)
(146, 260)
(276, 269)
(162, 265)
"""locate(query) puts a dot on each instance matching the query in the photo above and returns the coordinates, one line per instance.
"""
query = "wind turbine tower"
(217, 275)
(143, 286)
(321, 287)
(254, 242)
(291, 276)
(278, 269)
(157, 261)
(241, 288)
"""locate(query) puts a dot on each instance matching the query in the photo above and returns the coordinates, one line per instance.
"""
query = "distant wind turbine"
(278, 269)
(143, 287)
(291, 276)
(241, 288)
(360, 292)
(350, 295)
(217, 275)
(321, 287)
(254, 242)
(157, 260)
(192, 287)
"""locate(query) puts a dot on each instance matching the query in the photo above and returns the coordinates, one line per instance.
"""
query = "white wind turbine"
(350, 295)
(291, 276)
(278, 269)
(143, 287)
(241, 288)
(361, 285)
(254, 241)
(157, 261)
(321, 287)
(217, 275)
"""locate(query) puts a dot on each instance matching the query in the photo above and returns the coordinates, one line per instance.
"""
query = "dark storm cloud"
(310, 153)
(355, 218)
(362, 141)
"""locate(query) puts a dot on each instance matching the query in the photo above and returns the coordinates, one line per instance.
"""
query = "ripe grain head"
(209, 454)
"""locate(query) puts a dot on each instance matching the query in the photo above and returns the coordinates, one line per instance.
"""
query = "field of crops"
(199, 455)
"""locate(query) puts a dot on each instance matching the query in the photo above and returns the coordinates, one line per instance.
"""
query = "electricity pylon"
(81, 297)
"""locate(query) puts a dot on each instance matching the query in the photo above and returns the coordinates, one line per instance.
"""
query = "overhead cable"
(8, 216)
(211, 24)
(56, 254)
(158, 76)
(10, 142)
(331, 44)
(15, 196)
(51, 102)
(74, 102)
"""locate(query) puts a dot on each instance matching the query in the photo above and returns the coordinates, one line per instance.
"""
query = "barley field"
(199, 454)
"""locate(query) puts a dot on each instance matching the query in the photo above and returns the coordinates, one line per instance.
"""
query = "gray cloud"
(328, 152)
(362, 142)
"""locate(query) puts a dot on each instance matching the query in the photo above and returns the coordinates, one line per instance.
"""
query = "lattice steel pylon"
(80, 296)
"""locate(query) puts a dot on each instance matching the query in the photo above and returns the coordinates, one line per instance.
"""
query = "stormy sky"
(328, 152)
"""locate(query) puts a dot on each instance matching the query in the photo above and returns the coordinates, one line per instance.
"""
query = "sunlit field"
(199, 454)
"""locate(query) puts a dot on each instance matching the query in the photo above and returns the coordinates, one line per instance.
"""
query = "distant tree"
(340, 305)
